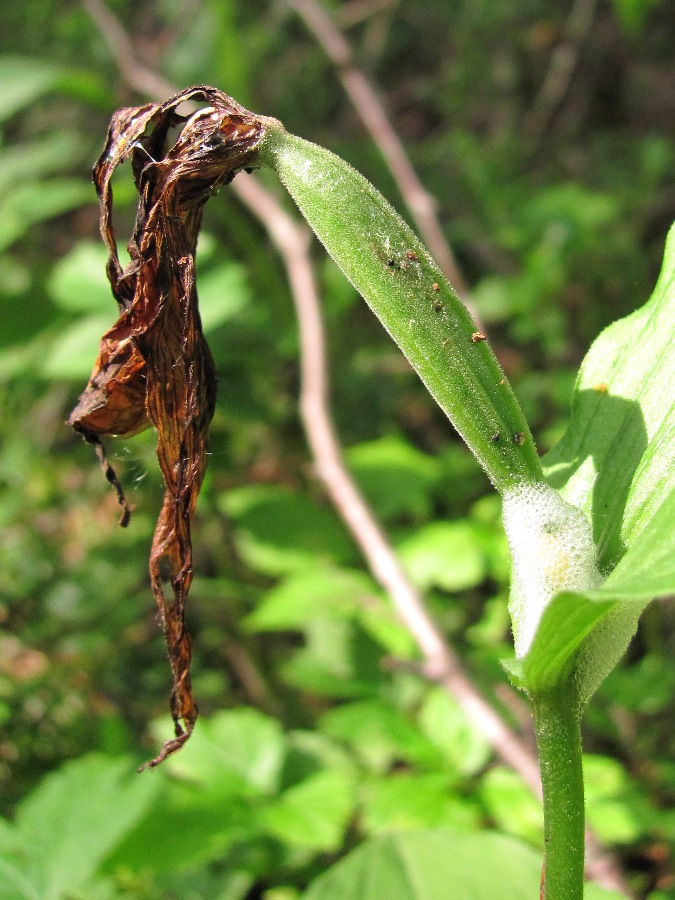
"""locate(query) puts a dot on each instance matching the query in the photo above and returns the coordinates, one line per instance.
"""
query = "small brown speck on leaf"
(477, 336)
(601, 388)
(435, 286)
(154, 367)
(519, 438)
(411, 255)
(495, 437)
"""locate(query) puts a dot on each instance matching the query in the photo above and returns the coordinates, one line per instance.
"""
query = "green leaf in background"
(223, 292)
(72, 356)
(27, 204)
(339, 659)
(380, 734)
(293, 603)
(433, 865)
(341, 593)
(465, 748)
(395, 477)
(447, 555)
(617, 463)
(278, 531)
(78, 282)
(73, 820)
(23, 80)
(310, 752)
(34, 160)
(511, 805)
(615, 811)
(633, 13)
(314, 813)
(239, 750)
(404, 801)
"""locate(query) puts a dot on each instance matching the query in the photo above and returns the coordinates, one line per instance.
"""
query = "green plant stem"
(393, 271)
(557, 726)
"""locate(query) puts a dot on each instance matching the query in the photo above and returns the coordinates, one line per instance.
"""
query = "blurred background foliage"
(316, 730)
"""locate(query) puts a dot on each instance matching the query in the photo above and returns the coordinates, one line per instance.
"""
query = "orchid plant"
(590, 526)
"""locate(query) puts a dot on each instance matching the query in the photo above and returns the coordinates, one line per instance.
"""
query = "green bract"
(617, 463)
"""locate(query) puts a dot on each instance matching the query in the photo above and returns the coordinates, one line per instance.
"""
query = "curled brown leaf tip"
(154, 366)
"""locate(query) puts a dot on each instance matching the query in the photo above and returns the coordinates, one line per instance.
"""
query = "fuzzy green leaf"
(393, 271)
(617, 463)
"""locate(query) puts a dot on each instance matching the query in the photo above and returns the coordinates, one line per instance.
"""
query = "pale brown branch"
(356, 11)
(561, 68)
(292, 240)
(369, 107)
(137, 76)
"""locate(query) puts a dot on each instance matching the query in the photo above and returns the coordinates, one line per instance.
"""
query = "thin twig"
(369, 107)
(561, 68)
(440, 663)
(137, 76)
(356, 11)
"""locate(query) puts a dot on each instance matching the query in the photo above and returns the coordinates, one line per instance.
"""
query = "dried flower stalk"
(154, 366)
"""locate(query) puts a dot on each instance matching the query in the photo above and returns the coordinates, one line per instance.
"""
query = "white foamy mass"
(552, 548)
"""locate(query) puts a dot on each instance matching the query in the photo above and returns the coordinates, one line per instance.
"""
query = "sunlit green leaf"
(313, 813)
(617, 462)
(511, 805)
(394, 476)
(380, 735)
(405, 801)
(239, 750)
(23, 80)
(73, 355)
(76, 816)
(448, 555)
(223, 292)
(447, 727)
(78, 281)
(425, 865)
(279, 531)
(297, 600)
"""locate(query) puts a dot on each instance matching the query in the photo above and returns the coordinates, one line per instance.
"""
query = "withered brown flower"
(154, 367)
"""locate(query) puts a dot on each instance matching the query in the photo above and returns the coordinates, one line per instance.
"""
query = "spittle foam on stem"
(552, 549)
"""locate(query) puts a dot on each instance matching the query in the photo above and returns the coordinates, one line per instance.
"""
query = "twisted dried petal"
(154, 366)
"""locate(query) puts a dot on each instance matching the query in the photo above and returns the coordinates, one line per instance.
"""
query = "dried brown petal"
(154, 366)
